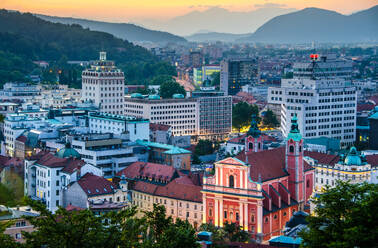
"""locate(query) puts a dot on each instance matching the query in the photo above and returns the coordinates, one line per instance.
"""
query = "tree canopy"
(204, 147)
(345, 216)
(120, 229)
(270, 119)
(25, 38)
(169, 88)
(241, 114)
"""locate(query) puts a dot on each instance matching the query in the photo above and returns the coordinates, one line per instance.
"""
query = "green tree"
(169, 88)
(270, 119)
(195, 159)
(204, 147)
(345, 216)
(215, 79)
(2, 117)
(160, 79)
(67, 229)
(234, 233)
(241, 114)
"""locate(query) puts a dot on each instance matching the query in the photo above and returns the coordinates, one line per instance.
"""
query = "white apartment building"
(46, 175)
(20, 91)
(179, 112)
(58, 96)
(137, 128)
(104, 85)
(15, 125)
(323, 98)
(110, 153)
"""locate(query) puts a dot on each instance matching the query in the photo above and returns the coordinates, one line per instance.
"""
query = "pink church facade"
(259, 189)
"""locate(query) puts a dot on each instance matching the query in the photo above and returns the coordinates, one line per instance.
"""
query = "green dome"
(178, 96)
(68, 152)
(353, 158)
(294, 131)
(136, 95)
(154, 97)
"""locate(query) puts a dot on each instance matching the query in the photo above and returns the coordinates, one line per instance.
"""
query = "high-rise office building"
(104, 85)
(236, 73)
(321, 95)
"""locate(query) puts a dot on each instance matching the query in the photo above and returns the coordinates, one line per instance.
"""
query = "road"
(186, 84)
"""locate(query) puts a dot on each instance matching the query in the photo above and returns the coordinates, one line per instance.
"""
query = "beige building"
(179, 112)
(164, 185)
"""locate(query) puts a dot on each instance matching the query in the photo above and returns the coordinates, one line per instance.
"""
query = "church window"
(300, 148)
(210, 212)
(284, 214)
(237, 216)
(250, 146)
(231, 181)
(253, 218)
(259, 146)
(291, 149)
(225, 214)
(308, 183)
(266, 219)
(275, 216)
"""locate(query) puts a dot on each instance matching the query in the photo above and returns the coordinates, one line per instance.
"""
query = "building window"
(225, 214)
(253, 218)
(308, 183)
(266, 219)
(291, 149)
(231, 181)
(57, 203)
(237, 216)
(187, 214)
(275, 216)
(18, 236)
(210, 212)
(250, 146)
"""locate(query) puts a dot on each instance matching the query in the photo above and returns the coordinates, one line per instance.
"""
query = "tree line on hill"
(25, 38)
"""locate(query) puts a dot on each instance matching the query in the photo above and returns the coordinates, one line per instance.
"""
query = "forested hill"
(125, 31)
(26, 37)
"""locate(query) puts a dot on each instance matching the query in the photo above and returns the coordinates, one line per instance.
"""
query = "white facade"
(14, 126)
(21, 91)
(180, 114)
(118, 124)
(325, 103)
(104, 85)
(109, 153)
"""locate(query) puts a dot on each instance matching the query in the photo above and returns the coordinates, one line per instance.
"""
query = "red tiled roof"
(268, 164)
(95, 185)
(145, 187)
(372, 160)
(49, 160)
(150, 170)
(374, 99)
(22, 138)
(178, 190)
(365, 107)
(73, 208)
(159, 127)
(322, 158)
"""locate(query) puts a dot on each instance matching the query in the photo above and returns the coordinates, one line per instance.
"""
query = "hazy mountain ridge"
(319, 25)
(217, 20)
(127, 31)
(215, 36)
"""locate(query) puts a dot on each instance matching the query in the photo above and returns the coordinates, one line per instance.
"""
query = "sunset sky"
(135, 10)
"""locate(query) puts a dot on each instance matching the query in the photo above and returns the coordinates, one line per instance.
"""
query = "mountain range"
(127, 31)
(214, 36)
(319, 25)
(218, 20)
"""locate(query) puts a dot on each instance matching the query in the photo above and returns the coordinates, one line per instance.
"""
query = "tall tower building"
(104, 85)
(236, 73)
(294, 162)
(321, 95)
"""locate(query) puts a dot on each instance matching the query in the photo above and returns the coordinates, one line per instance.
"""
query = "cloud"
(270, 5)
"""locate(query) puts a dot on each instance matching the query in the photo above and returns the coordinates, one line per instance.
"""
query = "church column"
(204, 212)
(241, 217)
(221, 212)
(245, 216)
(216, 214)
(260, 218)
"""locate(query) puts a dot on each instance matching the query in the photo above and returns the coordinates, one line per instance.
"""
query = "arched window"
(259, 146)
(250, 146)
(300, 148)
(231, 181)
(291, 149)
(308, 183)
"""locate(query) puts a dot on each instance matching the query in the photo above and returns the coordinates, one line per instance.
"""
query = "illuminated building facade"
(259, 190)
